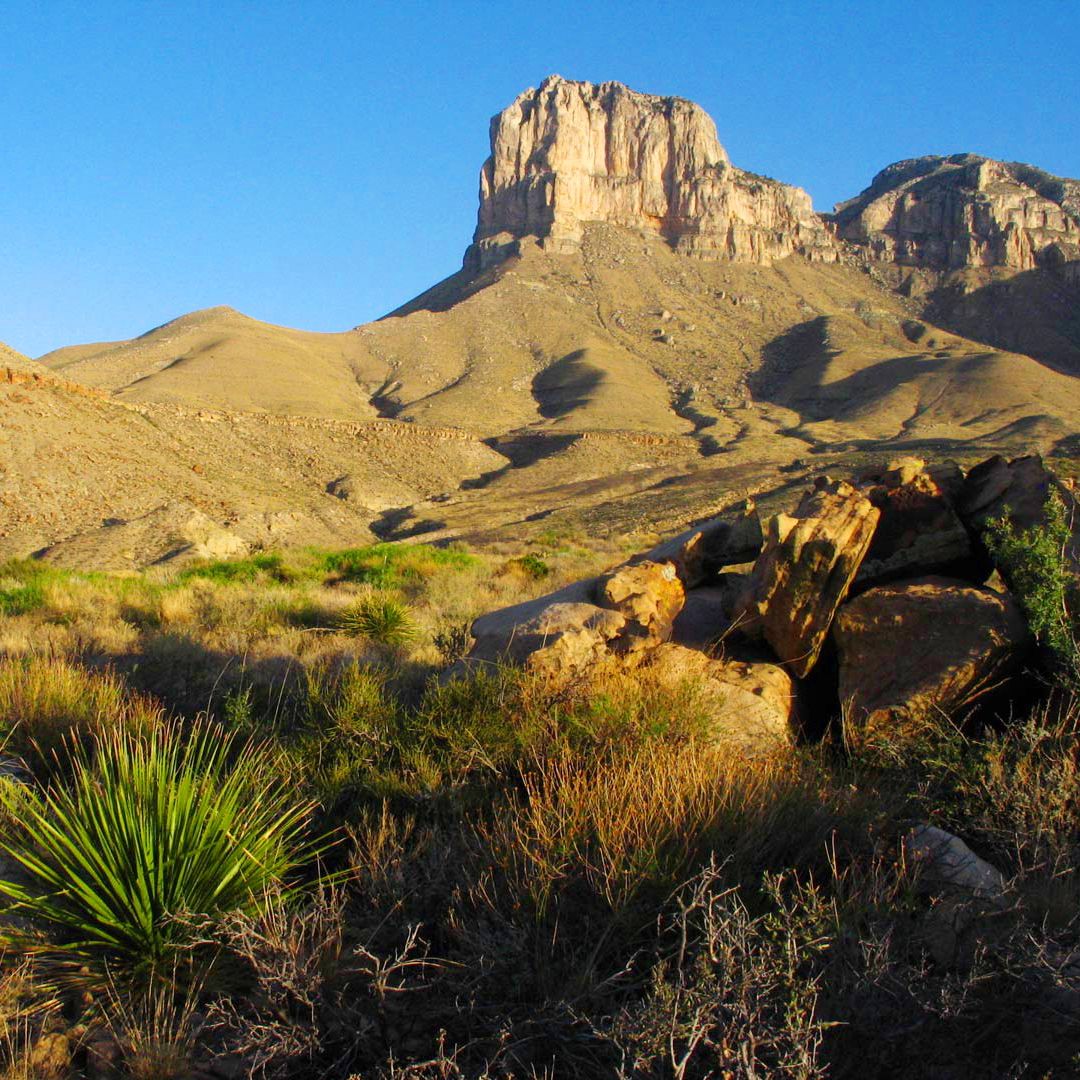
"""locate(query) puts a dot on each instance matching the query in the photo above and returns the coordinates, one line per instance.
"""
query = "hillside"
(636, 316)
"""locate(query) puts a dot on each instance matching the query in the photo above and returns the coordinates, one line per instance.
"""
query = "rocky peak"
(569, 153)
(965, 210)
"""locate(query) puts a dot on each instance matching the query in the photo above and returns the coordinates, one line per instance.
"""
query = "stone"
(943, 862)
(918, 532)
(344, 488)
(1017, 489)
(648, 595)
(914, 651)
(750, 702)
(562, 633)
(949, 213)
(804, 571)
(568, 153)
(707, 614)
(704, 549)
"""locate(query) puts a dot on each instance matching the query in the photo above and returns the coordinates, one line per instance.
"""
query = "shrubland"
(246, 829)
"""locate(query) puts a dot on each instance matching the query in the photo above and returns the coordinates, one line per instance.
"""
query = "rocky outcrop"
(804, 571)
(569, 153)
(948, 213)
(703, 550)
(919, 650)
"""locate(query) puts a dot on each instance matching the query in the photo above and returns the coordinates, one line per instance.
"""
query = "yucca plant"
(154, 832)
(379, 618)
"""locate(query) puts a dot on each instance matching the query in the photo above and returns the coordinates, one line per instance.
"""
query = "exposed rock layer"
(569, 153)
(948, 213)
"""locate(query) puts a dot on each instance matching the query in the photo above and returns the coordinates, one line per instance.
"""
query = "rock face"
(912, 651)
(804, 572)
(948, 213)
(703, 550)
(569, 153)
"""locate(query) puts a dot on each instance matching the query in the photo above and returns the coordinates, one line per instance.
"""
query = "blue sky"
(315, 164)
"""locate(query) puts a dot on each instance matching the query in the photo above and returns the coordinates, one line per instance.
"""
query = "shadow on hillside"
(1036, 312)
(566, 385)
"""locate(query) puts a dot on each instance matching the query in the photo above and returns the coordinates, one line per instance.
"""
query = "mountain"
(638, 325)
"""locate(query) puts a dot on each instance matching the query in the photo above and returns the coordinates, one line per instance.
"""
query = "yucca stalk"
(151, 827)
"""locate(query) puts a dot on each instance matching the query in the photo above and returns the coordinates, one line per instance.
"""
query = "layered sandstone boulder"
(948, 213)
(750, 702)
(648, 596)
(562, 633)
(805, 570)
(703, 550)
(915, 651)
(918, 532)
(569, 153)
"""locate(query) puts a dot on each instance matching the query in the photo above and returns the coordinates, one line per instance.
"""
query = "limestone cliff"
(569, 153)
(947, 213)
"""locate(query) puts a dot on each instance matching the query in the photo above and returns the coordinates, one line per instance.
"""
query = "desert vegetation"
(248, 830)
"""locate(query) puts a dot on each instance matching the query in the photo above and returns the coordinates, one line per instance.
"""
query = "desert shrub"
(266, 565)
(388, 566)
(532, 566)
(380, 618)
(45, 703)
(152, 827)
(320, 1002)
(1035, 562)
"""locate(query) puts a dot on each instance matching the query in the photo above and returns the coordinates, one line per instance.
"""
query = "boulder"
(750, 702)
(918, 532)
(561, 633)
(708, 547)
(804, 571)
(943, 862)
(1016, 489)
(916, 650)
(648, 595)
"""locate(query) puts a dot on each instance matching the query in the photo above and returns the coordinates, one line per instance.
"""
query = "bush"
(152, 827)
(1035, 562)
(389, 565)
(234, 571)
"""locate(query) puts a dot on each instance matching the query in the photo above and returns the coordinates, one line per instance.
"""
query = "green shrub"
(235, 571)
(151, 828)
(532, 566)
(1035, 562)
(389, 565)
(380, 618)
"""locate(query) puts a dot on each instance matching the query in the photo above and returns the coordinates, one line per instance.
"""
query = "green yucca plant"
(151, 827)
(379, 618)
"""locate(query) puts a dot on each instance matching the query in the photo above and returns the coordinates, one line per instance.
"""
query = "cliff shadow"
(566, 385)
(1035, 312)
